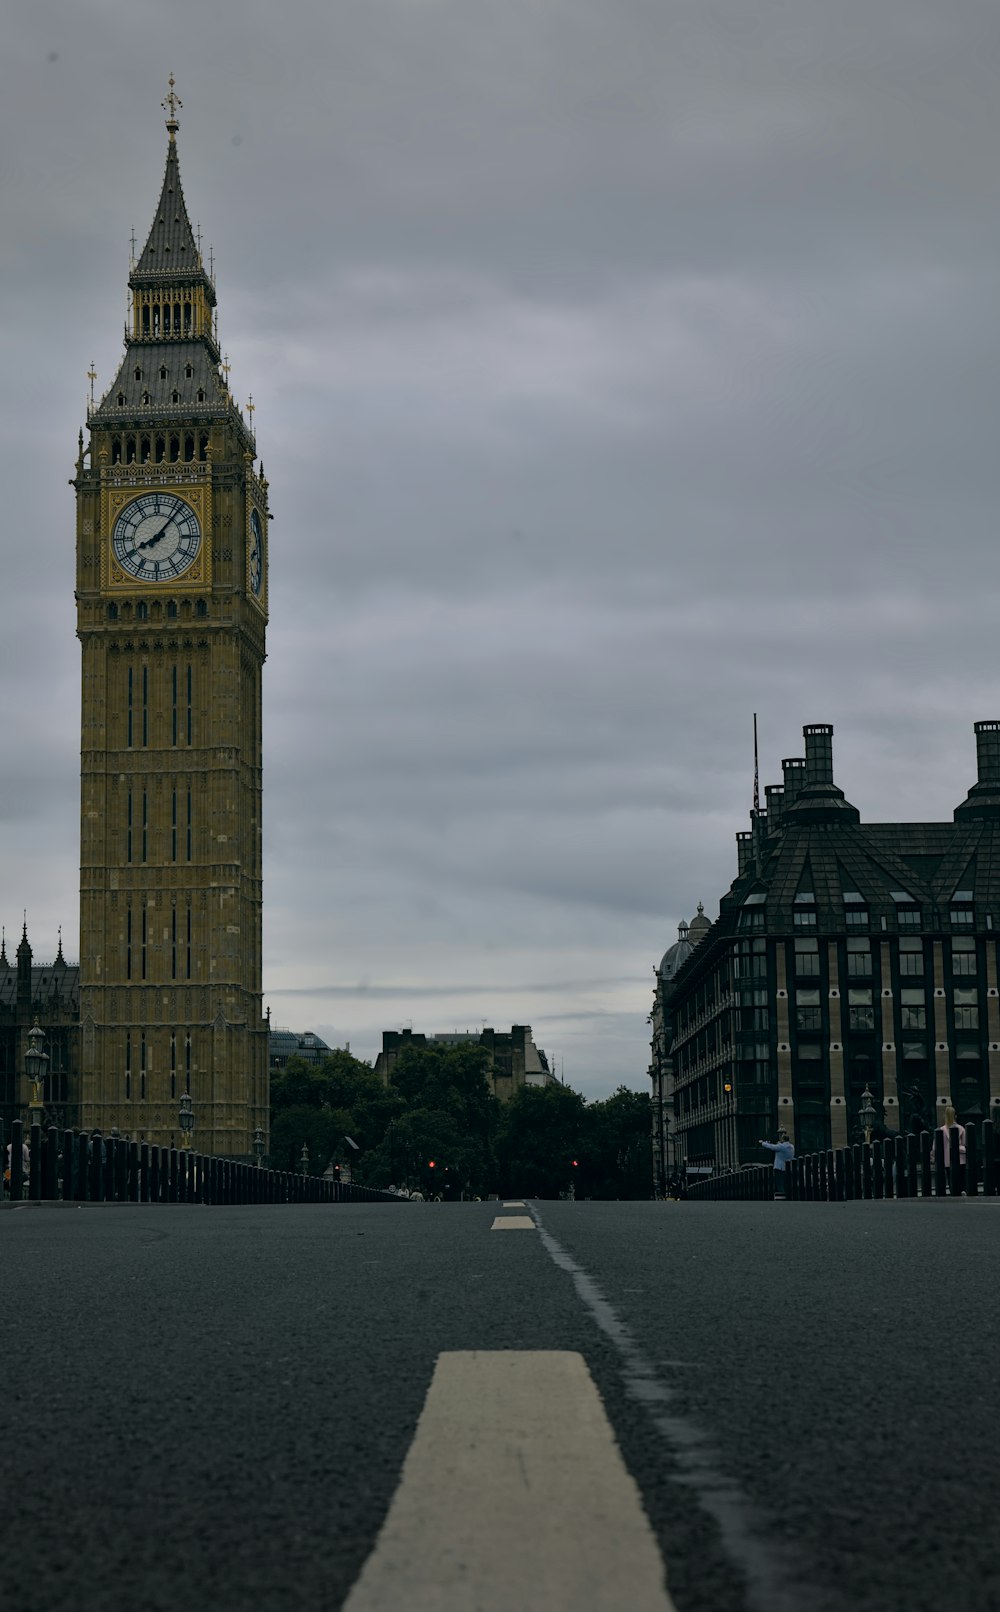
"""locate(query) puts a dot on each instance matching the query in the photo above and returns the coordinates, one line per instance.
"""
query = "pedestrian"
(784, 1151)
(950, 1120)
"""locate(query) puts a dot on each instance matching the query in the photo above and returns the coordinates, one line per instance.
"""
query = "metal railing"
(895, 1167)
(73, 1166)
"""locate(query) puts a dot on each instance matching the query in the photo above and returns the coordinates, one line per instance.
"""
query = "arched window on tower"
(201, 608)
(177, 318)
(161, 450)
(144, 451)
(188, 448)
(130, 450)
(203, 446)
(187, 317)
(175, 396)
(145, 397)
(189, 371)
(175, 449)
(172, 608)
(142, 611)
(145, 318)
(112, 612)
(116, 450)
(163, 372)
(121, 400)
(138, 373)
(156, 318)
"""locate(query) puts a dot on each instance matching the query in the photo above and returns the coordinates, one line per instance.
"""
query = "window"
(964, 964)
(856, 917)
(860, 1010)
(913, 1007)
(807, 958)
(112, 612)
(804, 917)
(962, 917)
(908, 917)
(752, 918)
(966, 1007)
(914, 1049)
(810, 1051)
(859, 958)
(911, 963)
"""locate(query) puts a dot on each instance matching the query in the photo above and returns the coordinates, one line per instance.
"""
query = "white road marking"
(513, 1498)
(513, 1223)
(517, 1203)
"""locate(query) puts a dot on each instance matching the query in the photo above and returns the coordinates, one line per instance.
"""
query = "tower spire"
(170, 104)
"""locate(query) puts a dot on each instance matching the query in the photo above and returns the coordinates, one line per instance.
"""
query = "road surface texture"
(212, 1408)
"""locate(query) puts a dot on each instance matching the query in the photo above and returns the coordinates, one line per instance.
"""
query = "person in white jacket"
(783, 1150)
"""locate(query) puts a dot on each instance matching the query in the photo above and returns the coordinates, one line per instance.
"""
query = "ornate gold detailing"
(170, 105)
(92, 376)
(118, 489)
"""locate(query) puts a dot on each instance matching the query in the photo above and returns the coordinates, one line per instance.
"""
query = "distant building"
(285, 1044)
(661, 1064)
(846, 956)
(514, 1060)
(50, 993)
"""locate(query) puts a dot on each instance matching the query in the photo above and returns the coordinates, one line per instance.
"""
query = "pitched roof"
(171, 251)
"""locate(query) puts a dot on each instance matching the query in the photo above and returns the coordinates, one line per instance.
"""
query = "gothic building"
(50, 994)
(846, 955)
(172, 518)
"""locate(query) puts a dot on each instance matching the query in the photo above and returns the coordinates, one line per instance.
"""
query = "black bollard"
(989, 1160)
(81, 1178)
(108, 1167)
(143, 1172)
(888, 1159)
(50, 1165)
(971, 1171)
(16, 1161)
(902, 1176)
(35, 1163)
(878, 1171)
(840, 1174)
(926, 1145)
(68, 1166)
(955, 1184)
(912, 1166)
(940, 1173)
(154, 1174)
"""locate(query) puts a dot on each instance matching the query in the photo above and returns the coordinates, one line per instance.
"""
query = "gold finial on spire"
(92, 376)
(226, 366)
(170, 105)
(251, 405)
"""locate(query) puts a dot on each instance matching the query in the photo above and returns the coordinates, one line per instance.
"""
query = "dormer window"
(121, 400)
(145, 397)
(175, 396)
(189, 371)
(201, 394)
(138, 374)
(163, 372)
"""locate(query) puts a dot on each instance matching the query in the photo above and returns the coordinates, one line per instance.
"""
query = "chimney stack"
(819, 753)
(793, 770)
(983, 799)
(774, 795)
(744, 850)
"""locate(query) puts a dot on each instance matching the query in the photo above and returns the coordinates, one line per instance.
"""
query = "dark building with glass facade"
(846, 955)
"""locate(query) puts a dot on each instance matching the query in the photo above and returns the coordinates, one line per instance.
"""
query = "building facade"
(49, 994)
(513, 1059)
(172, 523)
(666, 1158)
(846, 956)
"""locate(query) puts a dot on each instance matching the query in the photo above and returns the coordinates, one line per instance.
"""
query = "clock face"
(156, 537)
(256, 553)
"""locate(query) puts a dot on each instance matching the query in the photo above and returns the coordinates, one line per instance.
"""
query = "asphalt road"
(212, 1407)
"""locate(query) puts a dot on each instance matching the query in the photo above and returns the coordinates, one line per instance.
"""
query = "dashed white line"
(513, 1223)
(514, 1498)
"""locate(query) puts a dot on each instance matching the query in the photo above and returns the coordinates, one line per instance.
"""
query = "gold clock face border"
(198, 575)
(258, 599)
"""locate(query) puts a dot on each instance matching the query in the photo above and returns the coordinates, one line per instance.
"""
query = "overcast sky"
(621, 367)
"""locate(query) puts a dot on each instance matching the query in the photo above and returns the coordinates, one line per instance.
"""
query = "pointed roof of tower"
(171, 251)
(3, 949)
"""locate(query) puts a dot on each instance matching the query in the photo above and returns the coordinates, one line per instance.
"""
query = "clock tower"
(171, 592)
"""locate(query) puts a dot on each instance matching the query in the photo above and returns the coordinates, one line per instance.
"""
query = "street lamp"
(305, 1159)
(258, 1145)
(186, 1117)
(36, 1063)
(866, 1113)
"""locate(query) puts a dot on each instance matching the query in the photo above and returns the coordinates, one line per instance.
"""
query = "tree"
(542, 1133)
(617, 1156)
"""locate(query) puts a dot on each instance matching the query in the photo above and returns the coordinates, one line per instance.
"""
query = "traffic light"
(576, 1164)
(430, 1164)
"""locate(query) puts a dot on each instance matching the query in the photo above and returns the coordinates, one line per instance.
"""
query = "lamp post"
(36, 1063)
(258, 1145)
(305, 1159)
(186, 1117)
(866, 1113)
